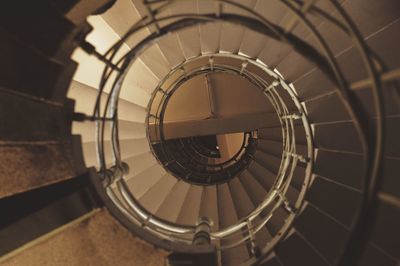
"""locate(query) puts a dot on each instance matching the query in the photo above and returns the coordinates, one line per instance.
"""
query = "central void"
(207, 129)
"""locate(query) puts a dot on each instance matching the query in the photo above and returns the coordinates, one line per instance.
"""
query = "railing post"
(255, 250)
(202, 233)
(114, 173)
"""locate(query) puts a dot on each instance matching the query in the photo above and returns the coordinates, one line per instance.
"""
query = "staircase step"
(38, 24)
(173, 203)
(227, 217)
(156, 195)
(346, 170)
(273, 133)
(231, 38)
(277, 220)
(383, 41)
(296, 251)
(126, 130)
(29, 119)
(319, 110)
(189, 213)
(345, 203)
(78, 10)
(171, 49)
(189, 38)
(386, 227)
(190, 42)
(26, 166)
(241, 199)
(303, 65)
(360, 11)
(254, 189)
(120, 18)
(312, 85)
(252, 43)
(43, 77)
(315, 83)
(129, 148)
(287, 99)
(299, 174)
(209, 32)
(390, 181)
(154, 59)
(340, 136)
(85, 98)
(210, 37)
(263, 176)
(374, 256)
(273, 52)
(94, 239)
(209, 205)
(143, 181)
(34, 213)
(268, 161)
(317, 228)
(293, 72)
(271, 147)
(244, 205)
(274, 11)
(140, 162)
(292, 195)
(392, 132)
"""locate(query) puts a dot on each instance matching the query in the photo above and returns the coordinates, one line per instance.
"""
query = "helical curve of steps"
(314, 180)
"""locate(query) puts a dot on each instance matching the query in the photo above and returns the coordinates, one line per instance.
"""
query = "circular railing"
(247, 227)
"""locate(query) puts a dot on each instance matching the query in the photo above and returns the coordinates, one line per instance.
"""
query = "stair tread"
(209, 205)
(294, 250)
(346, 170)
(140, 183)
(244, 206)
(189, 213)
(46, 34)
(28, 166)
(316, 228)
(342, 208)
(155, 61)
(85, 98)
(374, 256)
(128, 148)
(171, 49)
(85, 241)
(173, 203)
(277, 220)
(268, 161)
(386, 227)
(43, 77)
(29, 119)
(263, 176)
(126, 130)
(337, 136)
(228, 216)
(255, 191)
(231, 38)
(156, 195)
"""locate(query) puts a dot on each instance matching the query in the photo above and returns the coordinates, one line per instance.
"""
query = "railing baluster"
(255, 250)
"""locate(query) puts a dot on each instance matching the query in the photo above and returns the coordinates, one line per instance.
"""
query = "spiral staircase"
(247, 132)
